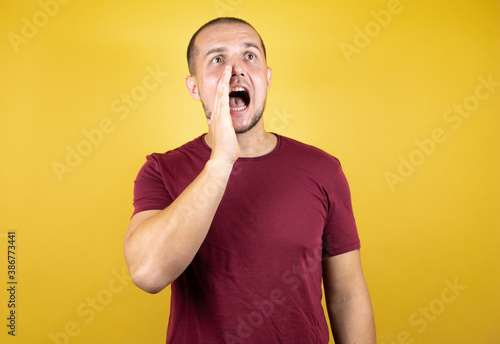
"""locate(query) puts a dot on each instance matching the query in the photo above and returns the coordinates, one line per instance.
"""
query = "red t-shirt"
(257, 276)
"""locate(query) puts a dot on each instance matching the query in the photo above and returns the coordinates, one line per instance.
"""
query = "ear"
(269, 74)
(192, 87)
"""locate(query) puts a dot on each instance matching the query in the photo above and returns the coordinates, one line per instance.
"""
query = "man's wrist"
(220, 167)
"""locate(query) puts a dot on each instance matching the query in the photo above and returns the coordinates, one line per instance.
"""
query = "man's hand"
(225, 145)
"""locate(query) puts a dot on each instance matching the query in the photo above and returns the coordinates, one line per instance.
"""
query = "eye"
(250, 56)
(217, 59)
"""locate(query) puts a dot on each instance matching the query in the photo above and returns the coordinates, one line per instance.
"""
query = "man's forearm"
(160, 248)
(159, 245)
(352, 321)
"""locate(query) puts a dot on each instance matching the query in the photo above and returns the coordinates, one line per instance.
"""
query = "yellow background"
(437, 226)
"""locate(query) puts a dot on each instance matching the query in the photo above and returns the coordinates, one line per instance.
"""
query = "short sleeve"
(340, 234)
(150, 192)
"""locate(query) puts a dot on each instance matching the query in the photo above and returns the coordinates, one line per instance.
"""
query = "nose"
(237, 67)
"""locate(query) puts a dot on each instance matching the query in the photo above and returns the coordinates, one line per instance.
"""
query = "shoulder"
(195, 149)
(190, 156)
(317, 166)
(307, 154)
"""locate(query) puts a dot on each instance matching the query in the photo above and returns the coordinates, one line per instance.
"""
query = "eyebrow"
(251, 45)
(215, 50)
(223, 49)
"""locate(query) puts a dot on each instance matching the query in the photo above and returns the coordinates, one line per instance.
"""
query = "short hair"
(192, 50)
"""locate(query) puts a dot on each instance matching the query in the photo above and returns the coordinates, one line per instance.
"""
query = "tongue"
(236, 102)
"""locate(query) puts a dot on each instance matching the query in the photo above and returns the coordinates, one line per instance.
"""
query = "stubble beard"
(253, 122)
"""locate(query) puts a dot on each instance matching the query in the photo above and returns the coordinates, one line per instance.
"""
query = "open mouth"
(238, 99)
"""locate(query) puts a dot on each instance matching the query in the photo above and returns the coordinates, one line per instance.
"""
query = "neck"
(252, 146)
(255, 142)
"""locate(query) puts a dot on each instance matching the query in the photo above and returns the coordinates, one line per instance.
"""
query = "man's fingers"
(221, 101)
(226, 76)
(225, 144)
(223, 87)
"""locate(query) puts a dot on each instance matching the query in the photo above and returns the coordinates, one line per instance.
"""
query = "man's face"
(238, 46)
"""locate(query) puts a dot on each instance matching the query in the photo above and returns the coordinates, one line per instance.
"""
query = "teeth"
(237, 89)
(241, 108)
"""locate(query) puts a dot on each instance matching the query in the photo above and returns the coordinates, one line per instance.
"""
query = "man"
(245, 224)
